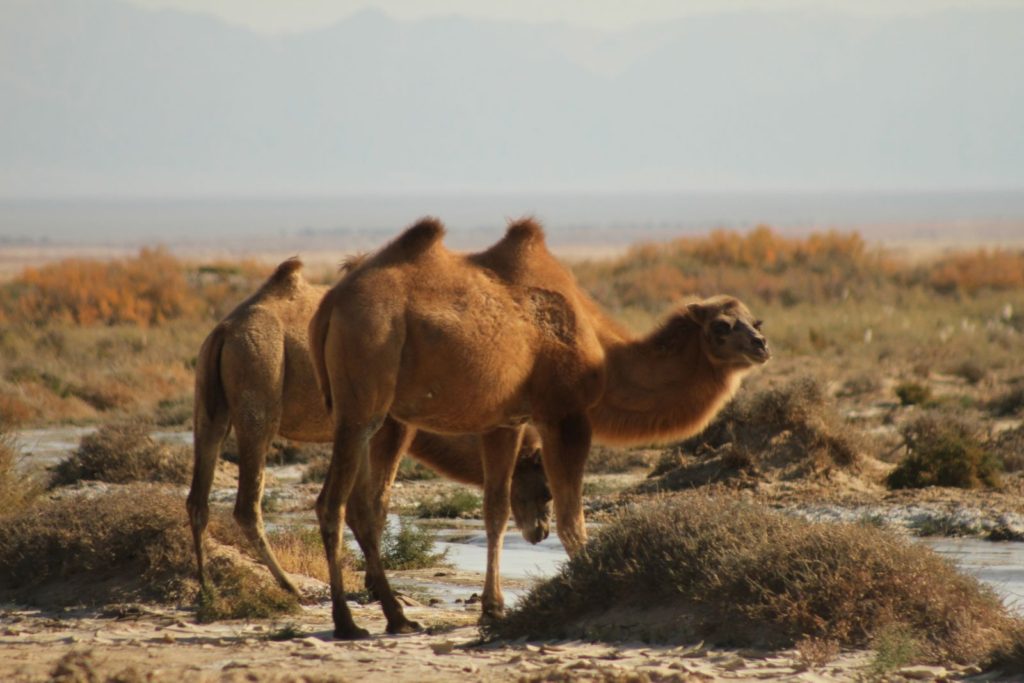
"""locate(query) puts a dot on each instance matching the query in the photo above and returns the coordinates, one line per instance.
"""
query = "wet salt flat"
(1000, 565)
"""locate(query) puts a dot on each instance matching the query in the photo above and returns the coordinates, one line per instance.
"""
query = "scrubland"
(894, 382)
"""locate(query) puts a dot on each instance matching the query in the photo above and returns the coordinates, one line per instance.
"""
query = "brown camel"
(254, 372)
(482, 343)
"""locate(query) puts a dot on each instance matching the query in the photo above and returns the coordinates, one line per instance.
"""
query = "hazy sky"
(276, 16)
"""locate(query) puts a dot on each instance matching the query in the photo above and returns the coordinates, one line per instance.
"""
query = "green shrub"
(729, 572)
(943, 451)
(411, 469)
(121, 453)
(410, 547)
(457, 503)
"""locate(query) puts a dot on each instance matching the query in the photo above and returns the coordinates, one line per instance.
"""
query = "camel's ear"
(699, 312)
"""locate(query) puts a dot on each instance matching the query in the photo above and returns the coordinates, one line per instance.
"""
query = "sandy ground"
(165, 645)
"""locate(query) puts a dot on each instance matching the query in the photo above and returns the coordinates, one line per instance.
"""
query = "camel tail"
(209, 388)
(318, 327)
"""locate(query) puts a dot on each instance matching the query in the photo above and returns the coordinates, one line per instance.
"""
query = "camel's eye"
(720, 327)
(757, 324)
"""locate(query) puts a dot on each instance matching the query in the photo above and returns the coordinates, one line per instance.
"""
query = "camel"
(481, 343)
(254, 372)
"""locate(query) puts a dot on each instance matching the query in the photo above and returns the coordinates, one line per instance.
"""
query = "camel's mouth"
(761, 355)
(536, 534)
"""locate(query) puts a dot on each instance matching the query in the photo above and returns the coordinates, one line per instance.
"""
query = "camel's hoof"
(406, 626)
(492, 614)
(351, 633)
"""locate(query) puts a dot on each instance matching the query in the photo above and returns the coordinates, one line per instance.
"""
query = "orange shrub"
(145, 290)
(981, 269)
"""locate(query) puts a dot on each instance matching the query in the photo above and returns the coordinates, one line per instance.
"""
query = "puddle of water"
(1000, 565)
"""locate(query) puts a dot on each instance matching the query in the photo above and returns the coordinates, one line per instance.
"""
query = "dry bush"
(124, 452)
(913, 393)
(695, 568)
(1009, 403)
(944, 450)
(785, 432)
(459, 503)
(130, 544)
(1008, 446)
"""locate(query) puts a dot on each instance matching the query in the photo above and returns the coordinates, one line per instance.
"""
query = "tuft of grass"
(452, 505)
(895, 646)
(943, 451)
(123, 452)
(238, 594)
(735, 573)
(286, 632)
(913, 393)
(128, 545)
(410, 547)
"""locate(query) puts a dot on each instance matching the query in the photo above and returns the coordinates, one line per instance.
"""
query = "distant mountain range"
(99, 97)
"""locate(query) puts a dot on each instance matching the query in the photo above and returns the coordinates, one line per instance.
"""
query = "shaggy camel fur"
(254, 372)
(484, 342)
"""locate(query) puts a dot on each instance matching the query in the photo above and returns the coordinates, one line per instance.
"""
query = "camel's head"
(531, 498)
(732, 335)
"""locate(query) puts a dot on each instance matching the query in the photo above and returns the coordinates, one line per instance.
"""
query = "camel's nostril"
(759, 343)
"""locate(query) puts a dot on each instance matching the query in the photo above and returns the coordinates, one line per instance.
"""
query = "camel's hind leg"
(254, 439)
(349, 460)
(566, 444)
(208, 440)
(500, 448)
(367, 515)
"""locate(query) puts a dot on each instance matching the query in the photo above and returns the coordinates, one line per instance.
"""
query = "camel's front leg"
(566, 444)
(351, 451)
(500, 448)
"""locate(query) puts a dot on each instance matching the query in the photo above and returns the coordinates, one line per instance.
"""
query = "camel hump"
(285, 278)
(286, 272)
(526, 229)
(424, 234)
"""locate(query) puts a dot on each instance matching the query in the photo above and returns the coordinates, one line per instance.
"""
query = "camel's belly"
(459, 380)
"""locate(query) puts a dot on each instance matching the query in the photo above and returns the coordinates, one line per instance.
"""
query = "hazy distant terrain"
(101, 98)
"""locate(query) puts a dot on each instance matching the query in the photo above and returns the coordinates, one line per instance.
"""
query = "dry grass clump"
(123, 452)
(605, 460)
(734, 573)
(944, 450)
(131, 544)
(17, 490)
(787, 432)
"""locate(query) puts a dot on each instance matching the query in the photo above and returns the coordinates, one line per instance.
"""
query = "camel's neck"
(660, 392)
